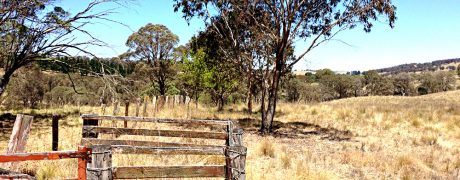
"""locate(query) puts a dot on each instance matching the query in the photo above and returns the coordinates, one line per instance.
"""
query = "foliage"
(195, 73)
(89, 66)
(282, 22)
(418, 67)
(377, 85)
(34, 30)
(436, 82)
(154, 44)
(458, 70)
(220, 78)
(28, 89)
(403, 84)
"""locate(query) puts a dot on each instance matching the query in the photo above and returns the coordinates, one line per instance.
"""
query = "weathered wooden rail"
(101, 164)
(82, 154)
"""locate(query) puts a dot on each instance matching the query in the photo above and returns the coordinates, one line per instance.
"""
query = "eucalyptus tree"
(221, 78)
(38, 30)
(286, 21)
(154, 44)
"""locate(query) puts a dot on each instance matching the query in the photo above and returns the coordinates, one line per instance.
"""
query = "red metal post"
(82, 162)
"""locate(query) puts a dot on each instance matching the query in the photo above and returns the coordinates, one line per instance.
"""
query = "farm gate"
(105, 142)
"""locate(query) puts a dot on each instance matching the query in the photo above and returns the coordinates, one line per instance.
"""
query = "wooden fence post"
(239, 155)
(238, 136)
(228, 152)
(126, 112)
(154, 105)
(115, 108)
(115, 112)
(235, 153)
(103, 109)
(20, 133)
(235, 162)
(176, 100)
(55, 132)
(167, 101)
(19, 136)
(187, 103)
(230, 133)
(146, 103)
(160, 102)
(138, 106)
(101, 163)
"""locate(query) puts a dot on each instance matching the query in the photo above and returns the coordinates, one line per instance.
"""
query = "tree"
(28, 87)
(458, 70)
(284, 22)
(310, 77)
(194, 74)
(403, 84)
(433, 82)
(357, 86)
(377, 85)
(428, 84)
(35, 30)
(338, 85)
(154, 44)
(221, 78)
(292, 86)
(445, 80)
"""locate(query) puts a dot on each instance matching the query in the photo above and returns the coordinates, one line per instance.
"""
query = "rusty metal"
(82, 162)
(82, 154)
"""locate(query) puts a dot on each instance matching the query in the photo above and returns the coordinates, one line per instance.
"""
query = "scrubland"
(355, 138)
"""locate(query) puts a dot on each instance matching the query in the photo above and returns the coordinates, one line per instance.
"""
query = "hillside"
(447, 64)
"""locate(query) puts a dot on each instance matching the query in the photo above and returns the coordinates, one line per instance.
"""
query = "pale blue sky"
(425, 30)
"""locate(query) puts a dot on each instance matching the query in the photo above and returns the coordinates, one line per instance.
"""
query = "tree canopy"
(281, 23)
(154, 44)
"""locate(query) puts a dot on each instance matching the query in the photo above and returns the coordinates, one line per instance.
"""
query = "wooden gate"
(103, 148)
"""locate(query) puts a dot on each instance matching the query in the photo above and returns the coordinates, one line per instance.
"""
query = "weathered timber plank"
(153, 119)
(93, 141)
(149, 132)
(16, 176)
(126, 149)
(168, 172)
(20, 134)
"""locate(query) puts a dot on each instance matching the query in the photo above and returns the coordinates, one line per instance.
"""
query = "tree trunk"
(4, 80)
(249, 93)
(196, 99)
(267, 120)
(220, 103)
(162, 87)
(262, 103)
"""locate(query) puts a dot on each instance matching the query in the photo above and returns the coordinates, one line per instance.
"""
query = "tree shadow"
(297, 130)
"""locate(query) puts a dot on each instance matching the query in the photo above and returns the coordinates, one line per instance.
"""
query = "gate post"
(101, 163)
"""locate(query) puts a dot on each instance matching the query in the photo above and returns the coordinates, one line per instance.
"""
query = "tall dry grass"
(355, 138)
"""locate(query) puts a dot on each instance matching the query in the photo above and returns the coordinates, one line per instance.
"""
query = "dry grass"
(356, 138)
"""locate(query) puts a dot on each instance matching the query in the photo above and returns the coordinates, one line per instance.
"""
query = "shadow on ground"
(297, 130)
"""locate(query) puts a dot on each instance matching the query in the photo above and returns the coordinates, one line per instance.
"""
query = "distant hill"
(447, 64)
